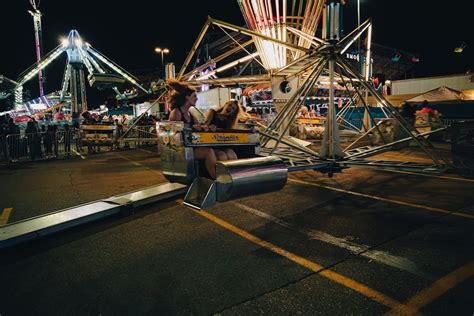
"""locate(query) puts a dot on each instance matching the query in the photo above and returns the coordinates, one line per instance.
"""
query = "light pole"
(358, 13)
(162, 51)
(359, 53)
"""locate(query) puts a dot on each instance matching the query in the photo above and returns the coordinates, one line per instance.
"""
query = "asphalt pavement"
(362, 242)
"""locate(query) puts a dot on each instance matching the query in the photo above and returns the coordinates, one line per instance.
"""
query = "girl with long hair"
(182, 97)
(225, 117)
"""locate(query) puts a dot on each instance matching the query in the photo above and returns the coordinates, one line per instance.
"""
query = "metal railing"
(446, 122)
(36, 146)
(50, 145)
(449, 122)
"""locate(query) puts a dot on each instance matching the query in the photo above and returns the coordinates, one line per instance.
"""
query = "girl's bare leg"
(231, 155)
(220, 155)
(209, 157)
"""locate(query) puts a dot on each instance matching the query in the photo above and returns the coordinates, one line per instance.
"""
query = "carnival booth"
(257, 98)
(96, 134)
(438, 104)
(440, 107)
(310, 121)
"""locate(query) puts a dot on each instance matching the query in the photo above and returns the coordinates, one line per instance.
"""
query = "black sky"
(128, 31)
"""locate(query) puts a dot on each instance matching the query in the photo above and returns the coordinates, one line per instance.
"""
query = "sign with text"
(220, 138)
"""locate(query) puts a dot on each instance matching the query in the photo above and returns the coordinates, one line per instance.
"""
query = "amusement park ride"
(283, 35)
(36, 14)
(102, 72)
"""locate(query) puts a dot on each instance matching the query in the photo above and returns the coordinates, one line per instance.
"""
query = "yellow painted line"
(430, 175)
(438, 288)
(333, 276)
(5, 215)
(425, 207)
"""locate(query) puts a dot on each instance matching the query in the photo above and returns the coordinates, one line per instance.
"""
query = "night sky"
(128, 31)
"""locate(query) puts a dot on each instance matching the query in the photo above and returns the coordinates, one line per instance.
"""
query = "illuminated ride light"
(292, 22)
(101, 69)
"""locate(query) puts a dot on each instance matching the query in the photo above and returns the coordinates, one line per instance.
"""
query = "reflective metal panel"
(201, 193)
(50, 223)
(251, 176)
(177, 161)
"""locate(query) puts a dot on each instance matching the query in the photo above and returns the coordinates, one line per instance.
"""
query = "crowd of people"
(37, 141)
(40, 140)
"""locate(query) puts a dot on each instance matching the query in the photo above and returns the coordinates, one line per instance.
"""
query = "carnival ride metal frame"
(324, 55)
(79, 53)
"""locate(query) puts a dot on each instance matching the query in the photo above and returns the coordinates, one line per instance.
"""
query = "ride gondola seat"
(105, 81)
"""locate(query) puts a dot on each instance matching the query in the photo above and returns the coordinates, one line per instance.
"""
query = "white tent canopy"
(441, 94)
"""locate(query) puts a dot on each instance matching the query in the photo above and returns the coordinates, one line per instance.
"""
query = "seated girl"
(181, 98)
(225, 117)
